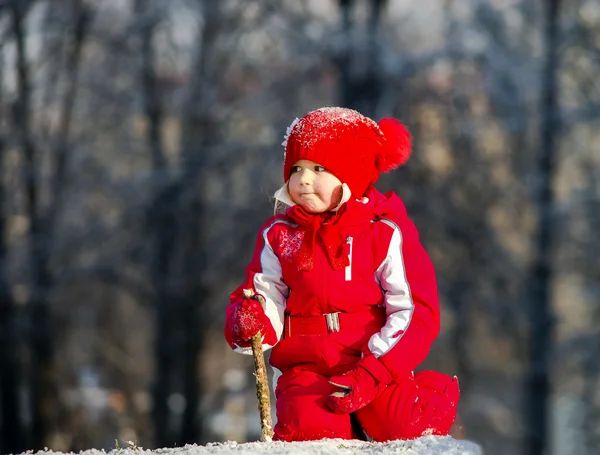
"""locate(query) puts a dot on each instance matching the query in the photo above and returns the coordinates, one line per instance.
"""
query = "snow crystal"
(287, 135)
(431, 445)
(324, 124)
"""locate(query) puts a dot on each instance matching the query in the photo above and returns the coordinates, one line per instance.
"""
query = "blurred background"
(140, 145)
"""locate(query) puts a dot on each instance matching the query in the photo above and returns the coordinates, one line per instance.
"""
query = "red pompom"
(397, 146)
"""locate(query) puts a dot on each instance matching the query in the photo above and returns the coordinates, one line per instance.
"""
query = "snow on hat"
(351, 146)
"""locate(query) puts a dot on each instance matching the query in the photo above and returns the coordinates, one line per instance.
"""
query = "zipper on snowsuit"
(349, 266)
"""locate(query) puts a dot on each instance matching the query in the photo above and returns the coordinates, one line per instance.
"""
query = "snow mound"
(430, 445)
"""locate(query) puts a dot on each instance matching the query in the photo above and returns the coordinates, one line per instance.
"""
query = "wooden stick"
(262, 381)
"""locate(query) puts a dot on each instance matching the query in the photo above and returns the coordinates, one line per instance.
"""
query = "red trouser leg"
(301, 411)
(420, 405)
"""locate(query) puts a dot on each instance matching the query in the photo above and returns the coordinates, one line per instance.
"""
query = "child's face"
(313, 187)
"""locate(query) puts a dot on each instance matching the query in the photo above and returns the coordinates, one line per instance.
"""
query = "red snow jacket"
(383, 305)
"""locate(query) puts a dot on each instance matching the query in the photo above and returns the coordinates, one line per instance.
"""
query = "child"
(351, 296)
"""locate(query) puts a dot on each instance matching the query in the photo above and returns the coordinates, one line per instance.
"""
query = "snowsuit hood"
(373, 206)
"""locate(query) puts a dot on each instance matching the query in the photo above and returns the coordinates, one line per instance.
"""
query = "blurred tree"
(589, 343)
(180, 263)
(358, 59)
(41, 373)
(539, 306)
(11, 426)
(199, 138)
(43, 208)
(161, 220)
(580, 220)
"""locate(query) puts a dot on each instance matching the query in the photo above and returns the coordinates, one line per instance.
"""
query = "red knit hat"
(353, 147)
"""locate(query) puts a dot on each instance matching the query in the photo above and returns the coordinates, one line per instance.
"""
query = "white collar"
(282, 195)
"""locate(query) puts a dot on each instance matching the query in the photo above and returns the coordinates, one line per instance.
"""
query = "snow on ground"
(430, 445)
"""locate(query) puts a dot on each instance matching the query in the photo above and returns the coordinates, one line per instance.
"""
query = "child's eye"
(296, 169)
(319, 169)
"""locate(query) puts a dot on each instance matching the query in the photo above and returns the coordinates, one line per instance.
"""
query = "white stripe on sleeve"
(399, 306)
(269, 283)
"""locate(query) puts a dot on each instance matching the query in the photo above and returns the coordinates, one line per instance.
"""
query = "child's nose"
(305, 177)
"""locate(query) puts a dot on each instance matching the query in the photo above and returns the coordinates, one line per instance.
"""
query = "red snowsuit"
(383, 305)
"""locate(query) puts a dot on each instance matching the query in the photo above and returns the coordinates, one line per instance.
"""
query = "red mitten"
(359, 386)
(244, 320)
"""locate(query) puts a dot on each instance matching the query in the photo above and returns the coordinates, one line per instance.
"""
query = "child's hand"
(359, 386)
(247, 319)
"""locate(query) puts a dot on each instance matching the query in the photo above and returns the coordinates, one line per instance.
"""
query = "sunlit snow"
(431, 445)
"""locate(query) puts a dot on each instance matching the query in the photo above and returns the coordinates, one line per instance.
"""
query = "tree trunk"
(161, 221)
(200, 132)
(11, 426)
(153, 108)
(540, 315)
(343, 61)
(81, 17)
(191, 427)
(44, 402)
(41, 374)
(360, 84)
